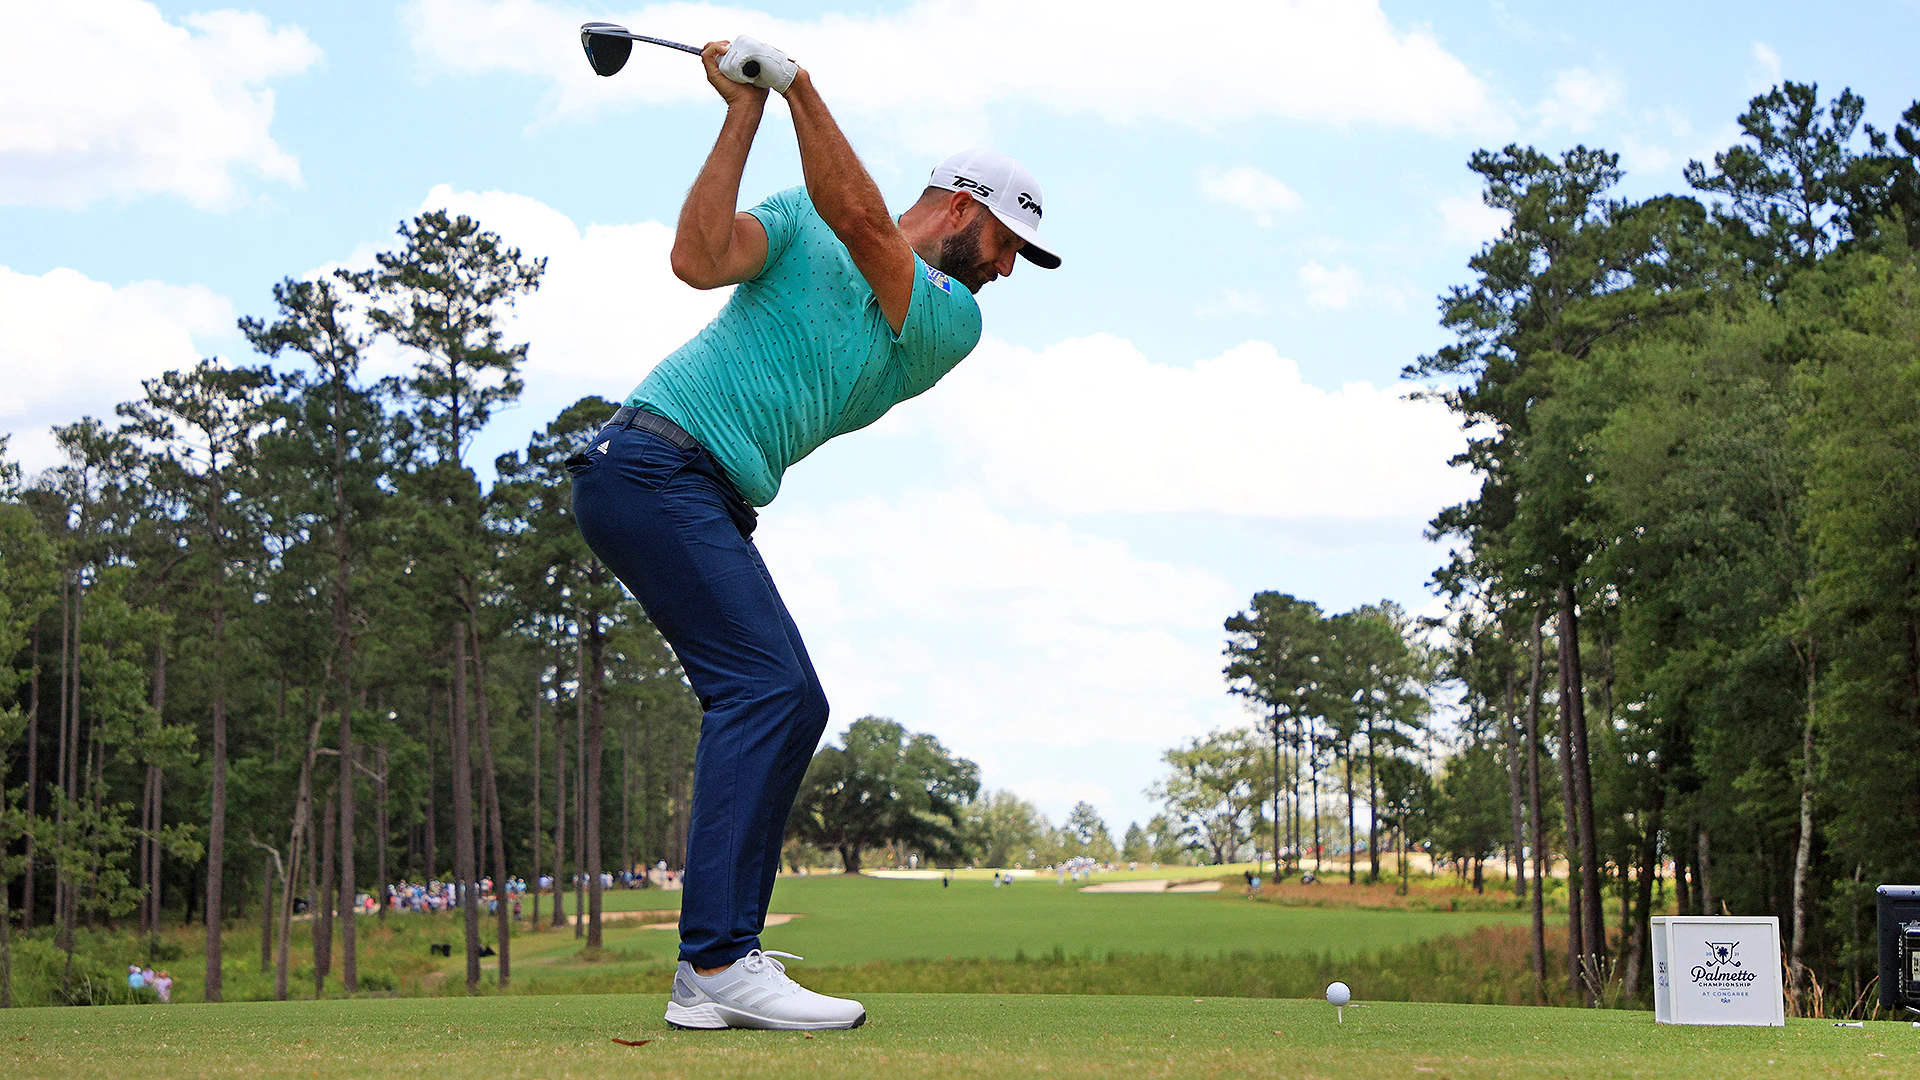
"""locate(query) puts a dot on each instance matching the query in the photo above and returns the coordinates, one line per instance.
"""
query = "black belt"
(629, 417)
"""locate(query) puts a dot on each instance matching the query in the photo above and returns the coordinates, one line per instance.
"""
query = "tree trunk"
(147, 849)
(1313, 792)
(1593, 938)
(1637, 955)
(580, 788)
(296, 839)
(559, 800)
(69, 695)
(491, 793)
(503, 906)
(324, 888)
(464, 870)
(343, 639)
(595, 745)
(1347, 758)
(1278, 796)
(33, 777)
(6, 950)
(1704, 852)
(1572, 835)
(1516, 797)
(349, 917)
(217, 819)
(1803, 854)
(539, 699)
(1682, 862)
(1373, 812)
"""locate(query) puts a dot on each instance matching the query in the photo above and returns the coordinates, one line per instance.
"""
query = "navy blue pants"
(668, 523)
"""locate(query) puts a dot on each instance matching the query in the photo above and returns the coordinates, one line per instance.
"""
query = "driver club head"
(607, 46)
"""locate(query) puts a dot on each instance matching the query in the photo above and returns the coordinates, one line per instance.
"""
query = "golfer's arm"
(849, 201)
(715, 245)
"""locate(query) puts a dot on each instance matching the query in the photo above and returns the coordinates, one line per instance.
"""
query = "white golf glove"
(776, 68)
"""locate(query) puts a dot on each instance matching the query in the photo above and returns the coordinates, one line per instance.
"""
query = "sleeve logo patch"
(939, 280)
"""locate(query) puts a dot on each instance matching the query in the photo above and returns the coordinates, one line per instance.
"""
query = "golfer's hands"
(769, 67)
(733, 91)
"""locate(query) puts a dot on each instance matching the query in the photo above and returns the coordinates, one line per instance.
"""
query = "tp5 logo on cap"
(968, 183)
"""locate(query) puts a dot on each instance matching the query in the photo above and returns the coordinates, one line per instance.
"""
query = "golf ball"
(1338, 994)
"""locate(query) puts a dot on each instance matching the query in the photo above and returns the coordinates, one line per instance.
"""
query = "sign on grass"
(1712, 969)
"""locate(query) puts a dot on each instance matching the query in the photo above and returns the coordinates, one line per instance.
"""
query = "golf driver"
(609, 44)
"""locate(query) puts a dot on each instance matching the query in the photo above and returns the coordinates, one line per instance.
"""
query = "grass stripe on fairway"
(852, 920)
(909, 1036)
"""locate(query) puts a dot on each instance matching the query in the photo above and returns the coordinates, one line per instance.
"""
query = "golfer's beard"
(960, 257)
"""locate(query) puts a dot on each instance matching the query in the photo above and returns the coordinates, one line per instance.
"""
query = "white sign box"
(1717, 970)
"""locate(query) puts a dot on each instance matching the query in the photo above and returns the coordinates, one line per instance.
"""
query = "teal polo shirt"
(801, 352)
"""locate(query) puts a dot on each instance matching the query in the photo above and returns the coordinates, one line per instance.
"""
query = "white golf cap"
(1004, 187)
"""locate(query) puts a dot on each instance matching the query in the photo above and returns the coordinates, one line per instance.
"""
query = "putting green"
(944, 1036)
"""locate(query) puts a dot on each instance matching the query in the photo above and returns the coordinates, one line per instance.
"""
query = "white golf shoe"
(754, 992)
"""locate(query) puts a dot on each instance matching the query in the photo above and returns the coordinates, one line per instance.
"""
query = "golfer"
(840, 312)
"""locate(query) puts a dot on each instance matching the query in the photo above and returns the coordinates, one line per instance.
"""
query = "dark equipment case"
(1899, 947)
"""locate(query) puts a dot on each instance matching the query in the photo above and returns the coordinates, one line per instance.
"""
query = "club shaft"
(630, 35)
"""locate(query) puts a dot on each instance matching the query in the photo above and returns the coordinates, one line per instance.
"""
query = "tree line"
(897, 794)
(1684, 607)
(263, 634)
(1695, 551)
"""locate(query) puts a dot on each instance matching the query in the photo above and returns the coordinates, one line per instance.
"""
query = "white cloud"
(1469, 221)
(1092, 426)
(986, 628)
(1580, 97)
(1317, 60)
(108, 99)
(1333, 289)
(74, 347)
(1766, 62)
(1249, 189)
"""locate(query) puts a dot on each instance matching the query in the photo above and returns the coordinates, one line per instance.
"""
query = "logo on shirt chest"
(939, 280)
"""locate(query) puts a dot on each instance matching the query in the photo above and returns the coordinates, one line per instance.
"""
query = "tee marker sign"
(1717, 970)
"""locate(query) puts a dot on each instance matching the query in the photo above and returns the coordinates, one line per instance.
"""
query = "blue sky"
(1257, 204)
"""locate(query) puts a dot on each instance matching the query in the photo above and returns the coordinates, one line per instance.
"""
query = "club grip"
(751, 69)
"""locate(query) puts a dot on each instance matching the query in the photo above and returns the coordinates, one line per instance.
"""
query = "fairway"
(852, 920)
(955, 1035)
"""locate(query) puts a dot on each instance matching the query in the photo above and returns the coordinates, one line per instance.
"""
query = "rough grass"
(1386, 896)
(947, 1036)
(1487, 966)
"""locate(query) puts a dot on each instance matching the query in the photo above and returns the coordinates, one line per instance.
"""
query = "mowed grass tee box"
(944, 1036)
